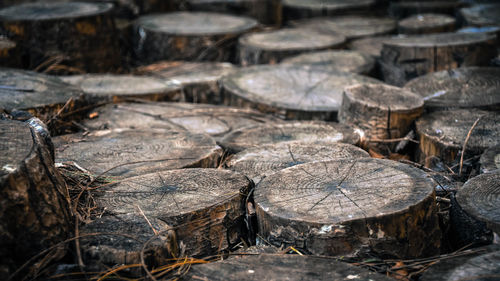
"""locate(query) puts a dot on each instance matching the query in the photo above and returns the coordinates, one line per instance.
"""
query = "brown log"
(297, 9)
(34, 213)
(482, 14)
(307, 131)
(260, 161)
(81, 34)
(369, 45)
(270, 47)
(490, 159)
(406, 58)
(466, 87)
(426, 23)
(290, 91)
(9, 53)
(123, 153)
(346, 61)
(403, 9)
(350, 207)
(193, 36)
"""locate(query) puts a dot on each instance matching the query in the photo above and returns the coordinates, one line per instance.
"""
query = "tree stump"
(493, 30)
(290, 91)
(297, 9)
(443, 133)
(466, 87)
(216, 121)
(192, 36)
(199, 81)
(34, 213)
(342, 60)
(260, 161)
(481, 15)
(403, 9)
(405, 58)
(311, 132)
(280, 267)
(490, 159)
(271, 47)
(123, 153)
(79, 34)
(350, 207)
(426, 23)
(200, 211)
(369, 45)
(352, 27)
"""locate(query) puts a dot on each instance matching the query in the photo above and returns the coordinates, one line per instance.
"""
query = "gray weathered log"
(482, 14)
(426, 23)
(297, 9)
(490, 159)
(403, 9)
(369, 45)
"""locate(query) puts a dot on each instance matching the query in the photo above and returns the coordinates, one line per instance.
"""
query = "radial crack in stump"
(123, 153)
(482, 14)
(490, 159)
(426, 23)
(350, 207)
(298, 9)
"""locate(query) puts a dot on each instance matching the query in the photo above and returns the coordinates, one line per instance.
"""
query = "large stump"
(34, 213)
(403, 9)
(311, 132)
(350, 207)
(260, 161)
(297, 9)
(406, 58)
(426, 23)
(490, 159)
(466, 87)
(290, 91)
(82, 35)
(482, 15)
(193, 36)
(271, 47)
(123, 153)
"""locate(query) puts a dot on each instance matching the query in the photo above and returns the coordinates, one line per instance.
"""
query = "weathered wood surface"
(34, 213)
(297, 9)
(403, 9)
(493, 30)
(199, 80)
(203, 208)
(490, 159)
(350, 207)
(482, 14)
(466, 87)
(9, 56)
(405, 58)
(271, 47)
(443, 133)
(369, 45)
(341, 60)
(192, 36)
(216, 121)
(426, 23)
(306, 131)
(280, 267)
(260, 161)
(81, 34)
(290, 91)
(123, 153)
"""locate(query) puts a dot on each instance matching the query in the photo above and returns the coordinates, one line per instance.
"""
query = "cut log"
(271, 47)
(34, 213)
(350, 207)
(199, 81)
(490, 159)
(122, 153)
(9, 56)
(443, 133)
(369, 45)
(216, 121)
(406, 58)
(311, 132)
(493, 30)
(260, 161)
(290, 91)
(80, 34)
(466, 87)
(482, 15)
(346, 61)
(403, 9)
(297, 9)
(193, 36)
(426, 23)
(280, 267)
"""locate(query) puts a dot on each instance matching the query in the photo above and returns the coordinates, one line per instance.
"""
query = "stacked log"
(426, 23)
(490, 159)
(296, 9)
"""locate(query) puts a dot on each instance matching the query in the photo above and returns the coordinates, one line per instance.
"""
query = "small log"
(403, 9)
(34, 214)
(260, 161)
(271, 47)
(216, 121)
(80, 34)
(199, 80)
(193, 36)
(297, 9)
(443, 133)
(123, 153)
(405, 58)
(280, 267)
(290, 91)
(490, 159)
(311, 132)
(487, 14)
(342, 60)
(466, 87)
(350, 207)
(426, 23)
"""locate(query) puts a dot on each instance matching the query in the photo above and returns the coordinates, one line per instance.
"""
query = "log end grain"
(426, 23)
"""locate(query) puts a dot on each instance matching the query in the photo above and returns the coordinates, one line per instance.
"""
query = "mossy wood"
(403, 9)
(297, 9)
(426, 23)
(490, 159)
(350, 207)
(487, 14)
